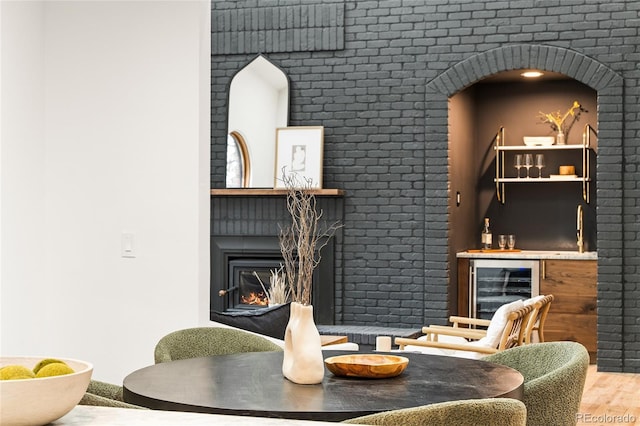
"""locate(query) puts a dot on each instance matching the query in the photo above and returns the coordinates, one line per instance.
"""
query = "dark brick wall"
(291, 28)
(382, 97)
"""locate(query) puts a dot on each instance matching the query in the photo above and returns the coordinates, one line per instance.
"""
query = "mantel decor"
(300, 244)
(299, 152)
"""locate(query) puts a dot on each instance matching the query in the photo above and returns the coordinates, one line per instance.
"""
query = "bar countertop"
(528, 254)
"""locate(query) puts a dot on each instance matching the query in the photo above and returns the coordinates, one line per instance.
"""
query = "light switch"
(128, 247)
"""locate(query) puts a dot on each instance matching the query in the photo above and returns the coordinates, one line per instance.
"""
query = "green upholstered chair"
(105, 395)
(470, 412)
(554, 375)
(208, 341)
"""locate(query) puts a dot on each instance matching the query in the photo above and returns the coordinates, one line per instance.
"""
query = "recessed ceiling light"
(531, 74)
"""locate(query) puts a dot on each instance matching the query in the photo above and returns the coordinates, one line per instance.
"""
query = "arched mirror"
(258, 105)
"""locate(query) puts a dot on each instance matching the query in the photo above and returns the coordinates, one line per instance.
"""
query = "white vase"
(560, 139)
(302, 363)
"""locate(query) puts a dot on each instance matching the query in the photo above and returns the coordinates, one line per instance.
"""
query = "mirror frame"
(241, 145)
(246, 150)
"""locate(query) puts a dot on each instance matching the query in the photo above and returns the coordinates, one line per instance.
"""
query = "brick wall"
(377, 74)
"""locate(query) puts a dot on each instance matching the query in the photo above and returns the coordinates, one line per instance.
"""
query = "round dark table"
(252, 384)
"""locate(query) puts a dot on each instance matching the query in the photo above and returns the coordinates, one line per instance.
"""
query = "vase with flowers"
(558, 119)
(300, 244)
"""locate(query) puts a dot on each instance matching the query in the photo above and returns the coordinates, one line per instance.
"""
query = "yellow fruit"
(44, 362)
(15, 372)
(54, 369)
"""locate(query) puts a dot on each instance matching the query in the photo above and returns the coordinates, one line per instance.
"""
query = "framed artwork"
(299, 151)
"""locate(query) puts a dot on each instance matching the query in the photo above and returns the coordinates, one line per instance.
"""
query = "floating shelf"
(539, 147)
(261, 192)
(543, 180)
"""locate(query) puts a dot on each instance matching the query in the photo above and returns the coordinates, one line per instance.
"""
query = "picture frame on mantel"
(299, 150)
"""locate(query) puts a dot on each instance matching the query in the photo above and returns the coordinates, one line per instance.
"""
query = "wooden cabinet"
(463, 288)
(573, 313)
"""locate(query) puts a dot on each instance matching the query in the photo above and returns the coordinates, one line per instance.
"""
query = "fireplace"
(234, 287)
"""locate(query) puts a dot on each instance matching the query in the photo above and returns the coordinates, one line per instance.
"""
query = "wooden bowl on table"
(371, 366)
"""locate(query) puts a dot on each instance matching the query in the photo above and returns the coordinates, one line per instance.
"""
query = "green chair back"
(470, 412)
(554, 375)
(104, 394)
(101, 401)
(209, 341)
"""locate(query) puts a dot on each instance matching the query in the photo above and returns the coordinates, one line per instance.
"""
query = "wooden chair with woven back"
(541, 305)
(505, 330)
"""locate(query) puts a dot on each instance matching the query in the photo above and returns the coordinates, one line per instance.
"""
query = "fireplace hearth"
(234, 286)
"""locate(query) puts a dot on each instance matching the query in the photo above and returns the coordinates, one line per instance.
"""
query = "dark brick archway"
(609, 86)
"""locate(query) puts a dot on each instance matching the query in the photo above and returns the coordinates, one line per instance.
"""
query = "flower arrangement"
(557, 119)
(302, 240)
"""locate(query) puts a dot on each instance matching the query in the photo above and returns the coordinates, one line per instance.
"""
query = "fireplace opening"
(246, 290)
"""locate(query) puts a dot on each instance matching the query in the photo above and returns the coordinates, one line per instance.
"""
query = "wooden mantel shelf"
(251, 192)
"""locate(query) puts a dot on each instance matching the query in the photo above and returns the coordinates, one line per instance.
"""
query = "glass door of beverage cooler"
(496, 282)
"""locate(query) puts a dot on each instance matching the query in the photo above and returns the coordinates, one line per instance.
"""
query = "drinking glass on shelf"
(502, 241)
(517, 163)
(511, 241)
(539, 164)
(528, 162)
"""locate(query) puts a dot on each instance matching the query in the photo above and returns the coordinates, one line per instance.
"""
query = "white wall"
(22, 178)
(123, 146)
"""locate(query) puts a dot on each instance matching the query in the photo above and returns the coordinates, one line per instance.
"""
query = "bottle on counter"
(486, 237)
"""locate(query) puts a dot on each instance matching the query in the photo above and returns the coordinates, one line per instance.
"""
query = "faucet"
(579, 230)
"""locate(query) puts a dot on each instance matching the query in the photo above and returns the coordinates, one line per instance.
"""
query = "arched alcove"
(609, 88)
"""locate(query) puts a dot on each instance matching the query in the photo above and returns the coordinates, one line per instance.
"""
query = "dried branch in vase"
(303, 239)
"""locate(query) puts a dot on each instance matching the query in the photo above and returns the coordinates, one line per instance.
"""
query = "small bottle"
(486, 237)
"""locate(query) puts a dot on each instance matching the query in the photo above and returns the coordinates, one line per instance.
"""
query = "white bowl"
(539, 140)
(35, 402)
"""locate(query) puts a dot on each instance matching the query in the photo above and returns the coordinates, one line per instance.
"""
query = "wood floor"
(610, 399)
